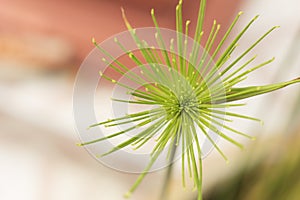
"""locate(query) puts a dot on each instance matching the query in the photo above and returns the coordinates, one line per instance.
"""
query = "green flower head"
(186, 88)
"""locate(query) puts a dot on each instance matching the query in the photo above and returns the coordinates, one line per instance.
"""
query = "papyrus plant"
(188, 92)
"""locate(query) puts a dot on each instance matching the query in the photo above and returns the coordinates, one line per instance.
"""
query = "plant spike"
(188, 94)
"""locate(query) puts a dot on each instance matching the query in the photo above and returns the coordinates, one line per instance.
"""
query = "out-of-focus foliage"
(275, 175)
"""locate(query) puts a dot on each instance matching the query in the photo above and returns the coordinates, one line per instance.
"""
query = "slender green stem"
(167, 179)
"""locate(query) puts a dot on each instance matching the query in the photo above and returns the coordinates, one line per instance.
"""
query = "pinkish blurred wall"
(72, 24)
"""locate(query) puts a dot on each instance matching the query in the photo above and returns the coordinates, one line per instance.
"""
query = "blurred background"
(42, 44)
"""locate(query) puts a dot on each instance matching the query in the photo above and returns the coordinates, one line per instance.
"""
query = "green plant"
(190, 92)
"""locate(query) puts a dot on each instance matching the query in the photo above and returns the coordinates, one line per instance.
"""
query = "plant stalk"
(167, 179)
